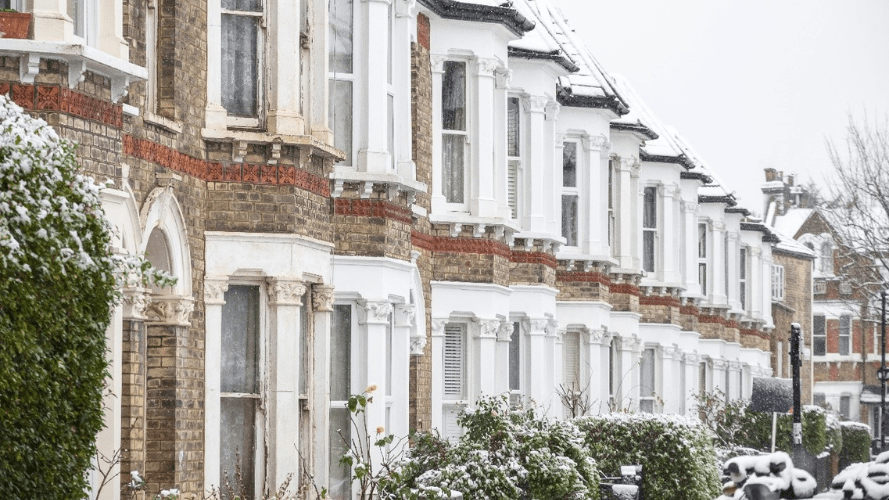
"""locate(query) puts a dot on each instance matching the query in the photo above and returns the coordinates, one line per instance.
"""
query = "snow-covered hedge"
(676, 452)
(505, 455)
(57, 284)
(856, 443)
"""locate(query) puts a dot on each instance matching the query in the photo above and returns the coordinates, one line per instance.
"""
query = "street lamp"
(883, 373)
(795, 334)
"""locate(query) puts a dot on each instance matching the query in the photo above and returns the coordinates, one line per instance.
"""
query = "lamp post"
(795, 362)
(883, 373)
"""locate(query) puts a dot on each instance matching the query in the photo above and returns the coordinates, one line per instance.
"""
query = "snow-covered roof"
(791, 221)
(588, 85)
(790, 245)
(641, 119)
(485, 11)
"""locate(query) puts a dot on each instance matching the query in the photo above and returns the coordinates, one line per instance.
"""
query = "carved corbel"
(286, 292)
(135, 302)
(374, 312)
(169, 310)
(405, 314)
(487, 328)
(322, 298)
(504, 331)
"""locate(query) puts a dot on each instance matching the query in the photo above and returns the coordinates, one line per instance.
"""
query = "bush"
(57, 285)
(504, 454)
(676, 452)
(856, 443)
(834, 434)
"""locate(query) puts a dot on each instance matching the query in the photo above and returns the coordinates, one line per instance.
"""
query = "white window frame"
(455, 402)
(826, 254)
(514, 163)
(86, 21)
(777, 282)
(744, 277)
(261, 417)
(469, 108)
(334, 76)
(234, 121)
(391, 105)
(613, 193)
(649, 400)
(572, 191)
(654, 231)
(819, 335)
(847, 334)
(353, 389)
(703, 252)
(847, 415)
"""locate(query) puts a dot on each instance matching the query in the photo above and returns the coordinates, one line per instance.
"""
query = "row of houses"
(438, 198)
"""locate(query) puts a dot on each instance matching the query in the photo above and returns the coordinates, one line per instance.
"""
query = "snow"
(790, 222)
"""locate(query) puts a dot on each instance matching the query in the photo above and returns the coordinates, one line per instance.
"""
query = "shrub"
(856, 443)
(834, 434)
(676, 452)
(504, 454)
(57, 285)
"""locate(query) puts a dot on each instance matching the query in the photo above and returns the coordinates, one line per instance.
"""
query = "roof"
(485, 11)
(788, 245)
(588, 85)
(791, 221)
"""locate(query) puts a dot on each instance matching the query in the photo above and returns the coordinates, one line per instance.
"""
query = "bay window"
(702, 258)
(649, 228)
(242, 47)
(242, 421)
(513, 154)
(569, 193)
(454, 137)
(819, 335)
(341, 75)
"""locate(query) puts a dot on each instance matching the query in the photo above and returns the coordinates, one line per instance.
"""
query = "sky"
(751, 84)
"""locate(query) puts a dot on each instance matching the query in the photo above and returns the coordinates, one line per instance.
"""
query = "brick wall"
(797, 308)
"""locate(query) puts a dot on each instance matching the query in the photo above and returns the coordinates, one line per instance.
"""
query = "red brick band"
(659, 301)
(583, 277)
(61, 98)
(541, 258)
(625, 288)
(372, 208)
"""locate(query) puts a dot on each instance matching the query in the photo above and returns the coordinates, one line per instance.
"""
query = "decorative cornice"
(374, 312)
(135, 302)
(322, 298)
(286, 292)
(405, 315)
(171, 310)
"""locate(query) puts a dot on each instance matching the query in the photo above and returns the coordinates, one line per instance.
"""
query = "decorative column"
(322, 307)
(534, 174)
(672, 380)
(717, 259)
(481, 198)
(437, 196)
(630, 354)
(405, 316)
(594, 195)
(732, 264)
(401, 80)
(538, 362)
(109, 437)
(690, 223)
(720, 366)
(132, 390)
(555, 375)
(760, 282)
(284, 365)
(552, 184)
(214, 298)
(692, 381)
(486, 361)
(373, 154)
(171, 395)
(670, 234)
(504, 337)
(284, 28)
(598, 347)
(318, 55)
(374, 317)
(438, 335)
(734, 370)
(502, 78)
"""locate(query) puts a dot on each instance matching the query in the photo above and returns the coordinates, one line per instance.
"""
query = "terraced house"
(440, 198)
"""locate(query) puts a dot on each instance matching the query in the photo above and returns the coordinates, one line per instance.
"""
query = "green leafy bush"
(856, 443)
(504, 454)
(676, 452)
(834, 434)
(57, 286)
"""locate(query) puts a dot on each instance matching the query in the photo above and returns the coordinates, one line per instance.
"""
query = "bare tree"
(857, 207)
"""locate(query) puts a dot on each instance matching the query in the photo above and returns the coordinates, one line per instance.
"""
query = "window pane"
(453, 149)
(303, 345)
(340, 59)
(453, 96)
(702, 377)
(454, 362)
(340, 352)
(238, 444)
(76, 11)
(818, 332)
(242, 5)
(646, 389)
(512, 187)
(340, 116)
(611, 183)
(340, 476)
(844, 407)
(239, 64)
(845, 334)
(515, 358)
(512, 126)
(702, 277)
(569, 219)
(240, 340)
(390, 134)
(743, 264)
(743, 291)
(702, 241)
(649, 213)
(569, 164)
(648, 251)
(572, 360)
(646, 406)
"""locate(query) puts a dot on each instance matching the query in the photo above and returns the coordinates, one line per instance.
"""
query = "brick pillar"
(171, 440)
(132, 398)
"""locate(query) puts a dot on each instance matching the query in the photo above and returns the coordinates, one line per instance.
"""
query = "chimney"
(771, 174)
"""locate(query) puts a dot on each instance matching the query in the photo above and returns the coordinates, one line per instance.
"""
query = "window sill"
(79, 58)
(162, 122)
(394, 183)
(242, 138)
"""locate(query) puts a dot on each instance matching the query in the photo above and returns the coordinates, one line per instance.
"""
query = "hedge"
(676, 452)
(856, 443)
(755, 430)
